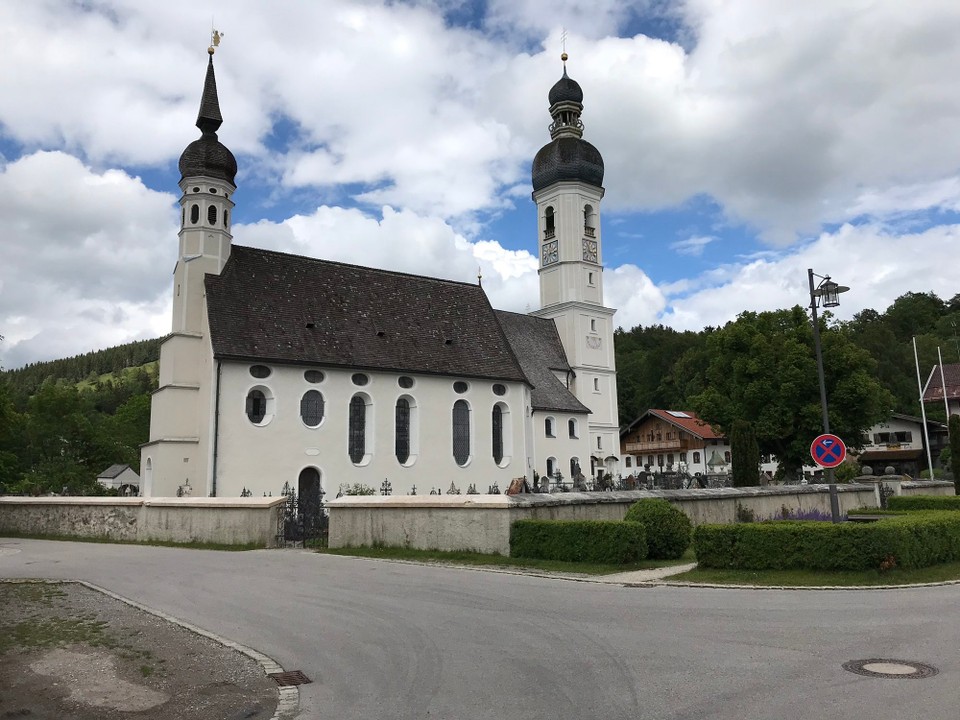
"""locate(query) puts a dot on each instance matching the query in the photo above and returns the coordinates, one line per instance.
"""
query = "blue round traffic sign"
(828, 450)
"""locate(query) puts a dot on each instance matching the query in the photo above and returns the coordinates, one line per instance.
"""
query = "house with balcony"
(899, 443)
(673, 441)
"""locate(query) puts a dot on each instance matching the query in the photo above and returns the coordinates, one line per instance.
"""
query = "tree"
(745, 454)
(763, 369)
(955, 451)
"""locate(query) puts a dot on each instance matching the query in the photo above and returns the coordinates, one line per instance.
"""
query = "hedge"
(924, 502)
(668, 529)
(915, 540)
(607, 542)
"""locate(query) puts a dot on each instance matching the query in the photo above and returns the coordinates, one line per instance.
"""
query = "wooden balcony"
(633, 448)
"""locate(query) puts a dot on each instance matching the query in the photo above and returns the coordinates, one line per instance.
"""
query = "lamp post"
(826, 293)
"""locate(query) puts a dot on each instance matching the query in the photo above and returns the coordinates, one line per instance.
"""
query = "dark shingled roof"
(567, 158)
(113, 471)
(537, 345)
(935, 389)
(566, 89)
(208, 156)
(271, 306)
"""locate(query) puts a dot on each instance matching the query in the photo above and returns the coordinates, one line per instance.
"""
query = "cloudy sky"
(744, 142)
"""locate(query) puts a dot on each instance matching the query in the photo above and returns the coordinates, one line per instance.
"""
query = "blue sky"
(744, 142)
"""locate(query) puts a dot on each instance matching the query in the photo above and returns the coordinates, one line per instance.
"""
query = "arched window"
(258, 406)
(696, 458)
(551, 467)
(212, 215)
(311, 408)
(574, 467)
(403, 430)
(549, 227)
(572, 428)
(550, 427)
(194, 213)
(183, 217)
(358, 429)
(226, 218)
(589, 221)
(497, 426)
(461, 432)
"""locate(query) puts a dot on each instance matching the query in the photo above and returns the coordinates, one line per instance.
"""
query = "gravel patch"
(69, 651)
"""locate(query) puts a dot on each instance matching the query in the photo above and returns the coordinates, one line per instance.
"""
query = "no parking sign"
(828, 450)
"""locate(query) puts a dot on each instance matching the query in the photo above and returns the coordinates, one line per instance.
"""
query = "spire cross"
(563, 47)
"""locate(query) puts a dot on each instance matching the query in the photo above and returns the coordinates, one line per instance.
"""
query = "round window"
(499, 389)
(460, 387)
(360, 379)
(313, 376)
(311, 408)
(405, 381)
(260, 371)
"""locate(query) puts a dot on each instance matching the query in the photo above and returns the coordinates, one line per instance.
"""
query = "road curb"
(288, 698)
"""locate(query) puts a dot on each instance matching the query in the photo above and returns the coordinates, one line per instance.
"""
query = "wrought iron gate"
(303, 520)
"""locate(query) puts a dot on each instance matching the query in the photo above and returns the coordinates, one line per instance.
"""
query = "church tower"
(179, 455)
(567, 188)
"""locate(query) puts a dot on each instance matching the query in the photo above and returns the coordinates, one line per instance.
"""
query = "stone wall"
(223, 521)
(482, 522)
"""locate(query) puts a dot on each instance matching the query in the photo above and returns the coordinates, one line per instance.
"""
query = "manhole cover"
(886, 668)
(291, 677)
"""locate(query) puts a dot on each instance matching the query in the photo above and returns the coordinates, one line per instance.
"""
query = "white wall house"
(282, 369)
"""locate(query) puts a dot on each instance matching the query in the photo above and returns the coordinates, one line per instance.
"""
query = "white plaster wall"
(262, 458)
(562, 446)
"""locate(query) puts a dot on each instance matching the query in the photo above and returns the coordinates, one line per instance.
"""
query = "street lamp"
(826, 293)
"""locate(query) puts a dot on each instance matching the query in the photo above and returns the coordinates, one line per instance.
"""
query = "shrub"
(911, 540)
(668, 530)
(924, 502)
(607, 542)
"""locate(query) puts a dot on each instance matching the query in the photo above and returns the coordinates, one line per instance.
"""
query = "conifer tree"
(745, 454)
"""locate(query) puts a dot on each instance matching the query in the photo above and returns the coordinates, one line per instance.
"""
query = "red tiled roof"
(691, 424)
(951, 377)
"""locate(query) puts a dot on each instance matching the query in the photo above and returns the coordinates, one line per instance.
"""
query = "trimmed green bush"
(924, 502)
(912, 540)
(668, 529)
(606, 542)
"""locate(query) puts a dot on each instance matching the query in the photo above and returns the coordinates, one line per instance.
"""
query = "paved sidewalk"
(644, 576)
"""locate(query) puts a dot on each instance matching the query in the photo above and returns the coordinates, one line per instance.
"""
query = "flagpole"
(943, 384)
(923, 410)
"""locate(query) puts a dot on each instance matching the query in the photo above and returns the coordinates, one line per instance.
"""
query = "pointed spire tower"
(179, 452)
(208, 171)
(567, 180)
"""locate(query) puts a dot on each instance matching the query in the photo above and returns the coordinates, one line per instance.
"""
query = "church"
(283, 369)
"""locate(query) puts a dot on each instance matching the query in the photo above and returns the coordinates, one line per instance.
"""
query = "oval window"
(499, 389)
(405, 381)
(212, 214)
(196, 189)
(260, 371)
(460, 387)
(194, 213)
(213, 191)
(311, 408)
(360, 379)
(313, 376)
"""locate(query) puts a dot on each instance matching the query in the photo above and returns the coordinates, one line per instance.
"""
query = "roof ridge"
(365, 268)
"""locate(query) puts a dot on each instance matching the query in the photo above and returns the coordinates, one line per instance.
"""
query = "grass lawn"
(936, 573)
(485, 560)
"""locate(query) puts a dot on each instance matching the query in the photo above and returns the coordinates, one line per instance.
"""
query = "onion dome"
(207, 156)
(566, 89)
(568, 156)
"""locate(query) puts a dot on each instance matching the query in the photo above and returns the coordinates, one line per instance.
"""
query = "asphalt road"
(395, 641)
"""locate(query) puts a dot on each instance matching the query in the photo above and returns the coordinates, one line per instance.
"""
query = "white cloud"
(693, 246)
(83, 255)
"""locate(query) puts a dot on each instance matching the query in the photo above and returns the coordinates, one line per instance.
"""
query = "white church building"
(288, 369)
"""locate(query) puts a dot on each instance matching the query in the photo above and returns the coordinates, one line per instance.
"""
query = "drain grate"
(290, 677)
(890, 669)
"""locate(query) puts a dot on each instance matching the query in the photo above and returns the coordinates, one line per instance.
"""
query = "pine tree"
(955, 451)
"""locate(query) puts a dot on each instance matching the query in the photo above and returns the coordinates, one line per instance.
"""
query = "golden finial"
(215, 36)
